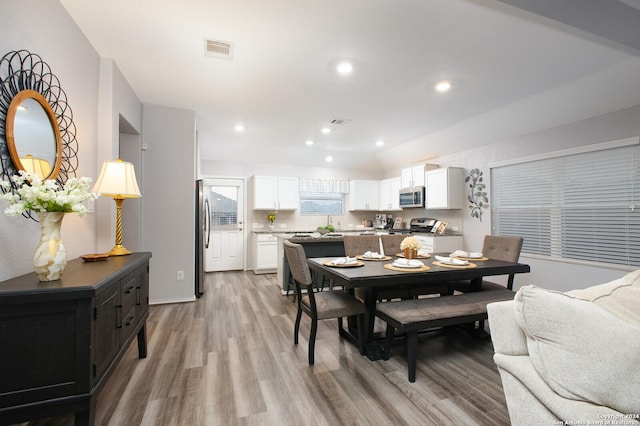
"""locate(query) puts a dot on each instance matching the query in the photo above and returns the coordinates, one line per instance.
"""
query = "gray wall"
(43, 27)
(168, 221)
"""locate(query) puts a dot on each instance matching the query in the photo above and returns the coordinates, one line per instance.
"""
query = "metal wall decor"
(477, 193)
(22, 70)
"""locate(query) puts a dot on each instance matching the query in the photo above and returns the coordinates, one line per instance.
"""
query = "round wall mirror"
(33, 136)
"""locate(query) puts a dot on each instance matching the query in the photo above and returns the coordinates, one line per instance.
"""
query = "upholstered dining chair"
(355, 245)
(323, 305)
(391, 243)
(495, 247)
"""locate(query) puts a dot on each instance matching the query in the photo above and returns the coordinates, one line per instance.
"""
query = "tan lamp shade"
(36, 166)
(118, 180)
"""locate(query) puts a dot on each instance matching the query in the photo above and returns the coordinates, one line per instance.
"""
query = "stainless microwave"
(412, 197)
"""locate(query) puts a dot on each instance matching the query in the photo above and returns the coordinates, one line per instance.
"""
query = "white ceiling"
(513, 72)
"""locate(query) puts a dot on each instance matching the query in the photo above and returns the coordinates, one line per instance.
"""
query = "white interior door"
(226, 241)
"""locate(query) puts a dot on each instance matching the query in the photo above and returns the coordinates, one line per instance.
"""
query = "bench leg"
(412, 354)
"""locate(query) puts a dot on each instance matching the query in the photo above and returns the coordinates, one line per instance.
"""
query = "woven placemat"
(344, 265)
(420, 256)
(373, 258)
(446, 265)
(395, 268)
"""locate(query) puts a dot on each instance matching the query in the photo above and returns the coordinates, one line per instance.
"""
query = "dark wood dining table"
(373, 276)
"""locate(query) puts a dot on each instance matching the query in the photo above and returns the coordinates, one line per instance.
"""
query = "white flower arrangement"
(45, 196)
(410, 243)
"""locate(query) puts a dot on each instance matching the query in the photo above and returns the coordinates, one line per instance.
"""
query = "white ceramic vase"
(50, 257)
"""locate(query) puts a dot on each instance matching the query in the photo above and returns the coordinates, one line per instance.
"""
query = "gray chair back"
(506, 249)
(297, 263)
(391, 243)
(355, 245)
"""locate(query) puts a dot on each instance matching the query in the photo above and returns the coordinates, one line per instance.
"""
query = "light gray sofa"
(570, 358)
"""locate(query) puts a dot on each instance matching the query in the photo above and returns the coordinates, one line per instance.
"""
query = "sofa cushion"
(583, 351)
(621, 297)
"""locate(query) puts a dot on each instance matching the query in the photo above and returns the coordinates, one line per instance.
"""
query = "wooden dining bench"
(412, 316)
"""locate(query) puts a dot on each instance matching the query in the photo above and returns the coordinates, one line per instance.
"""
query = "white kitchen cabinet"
(266, 250)
(275, 193)
(364, 195)
(443, 188)
(390, 194)
(412, 176)
(288, 193)
(439, 243)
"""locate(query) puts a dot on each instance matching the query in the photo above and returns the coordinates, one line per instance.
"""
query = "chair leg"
(412, 355)
(296, 328)
(312, 340)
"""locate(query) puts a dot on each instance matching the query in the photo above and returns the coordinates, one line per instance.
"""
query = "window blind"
(578, 206)
(324, 203)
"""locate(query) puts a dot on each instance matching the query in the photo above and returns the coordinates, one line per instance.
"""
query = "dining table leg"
(373, 350)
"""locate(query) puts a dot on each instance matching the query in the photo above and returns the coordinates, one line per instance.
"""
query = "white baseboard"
(164, 302)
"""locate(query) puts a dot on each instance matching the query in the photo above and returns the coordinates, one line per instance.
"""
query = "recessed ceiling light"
(325, 130)
(380, 142)
(239, 128)
(309, 142)
(443, 86)
(328, 159)
(344, 68)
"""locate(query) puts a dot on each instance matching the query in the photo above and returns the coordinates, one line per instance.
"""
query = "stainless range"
(418, 225)
(422, 224)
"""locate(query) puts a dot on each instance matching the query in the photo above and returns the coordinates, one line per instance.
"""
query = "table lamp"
(36, 166)
(118, 180)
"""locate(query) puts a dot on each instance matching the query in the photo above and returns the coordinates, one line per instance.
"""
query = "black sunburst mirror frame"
(22, 70)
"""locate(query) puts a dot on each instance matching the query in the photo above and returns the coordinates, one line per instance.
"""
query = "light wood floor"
(229, 359)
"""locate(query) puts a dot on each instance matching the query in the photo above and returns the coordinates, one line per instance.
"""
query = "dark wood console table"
(60, 340)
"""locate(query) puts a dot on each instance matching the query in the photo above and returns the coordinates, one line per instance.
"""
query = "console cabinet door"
(108, 322)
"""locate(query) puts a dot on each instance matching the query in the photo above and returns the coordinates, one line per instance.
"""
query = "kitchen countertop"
(286, 231)
(337, 235)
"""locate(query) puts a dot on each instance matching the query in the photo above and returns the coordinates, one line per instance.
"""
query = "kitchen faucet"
(329, 220)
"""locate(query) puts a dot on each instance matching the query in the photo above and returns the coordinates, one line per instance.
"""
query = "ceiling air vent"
(340, 121)
(218, 49)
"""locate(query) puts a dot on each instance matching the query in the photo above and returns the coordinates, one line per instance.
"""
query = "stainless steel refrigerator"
(203, 233)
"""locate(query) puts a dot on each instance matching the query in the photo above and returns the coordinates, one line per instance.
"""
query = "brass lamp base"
(119, 250)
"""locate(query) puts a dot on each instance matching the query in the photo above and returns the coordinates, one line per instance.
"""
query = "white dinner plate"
(451, 261)
(405, 265)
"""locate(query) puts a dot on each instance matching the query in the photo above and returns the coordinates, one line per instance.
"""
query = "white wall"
(117, 101)
(43, 27)
(544, 273)
(168, 203)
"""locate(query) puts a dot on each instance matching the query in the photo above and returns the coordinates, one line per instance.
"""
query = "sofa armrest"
(506, 334)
